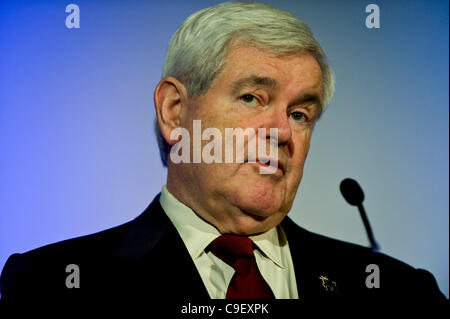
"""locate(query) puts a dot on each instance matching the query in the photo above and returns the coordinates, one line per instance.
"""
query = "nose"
(277, 118)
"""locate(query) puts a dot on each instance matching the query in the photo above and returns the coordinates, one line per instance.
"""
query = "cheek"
(301, 148)
(212, 106)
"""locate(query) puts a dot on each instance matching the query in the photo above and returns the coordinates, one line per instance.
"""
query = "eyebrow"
(254, 80)
(308, 97)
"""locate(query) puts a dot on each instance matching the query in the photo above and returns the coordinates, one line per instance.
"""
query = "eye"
(298, 116)
(249, 100)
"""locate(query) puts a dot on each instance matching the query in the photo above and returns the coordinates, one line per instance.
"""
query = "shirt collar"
(269, 244)
(197, 234)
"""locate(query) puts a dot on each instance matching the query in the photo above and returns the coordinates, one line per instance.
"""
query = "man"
(219, 228)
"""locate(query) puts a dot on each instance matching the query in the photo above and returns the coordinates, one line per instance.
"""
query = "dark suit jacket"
(145, 262)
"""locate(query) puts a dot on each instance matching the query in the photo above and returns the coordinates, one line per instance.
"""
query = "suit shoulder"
(98, 244)
(349, 263)
(45, 266)
(339, 250)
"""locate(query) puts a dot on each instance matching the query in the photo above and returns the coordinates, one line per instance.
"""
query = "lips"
(270, 162)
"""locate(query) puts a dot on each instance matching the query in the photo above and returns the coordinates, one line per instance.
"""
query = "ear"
(170, 100)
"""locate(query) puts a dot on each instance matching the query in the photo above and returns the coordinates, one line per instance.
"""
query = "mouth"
(270, 166)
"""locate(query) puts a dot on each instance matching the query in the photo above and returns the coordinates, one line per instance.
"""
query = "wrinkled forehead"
(249, 67)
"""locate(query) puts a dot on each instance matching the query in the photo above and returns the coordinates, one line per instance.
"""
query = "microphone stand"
(373, 243)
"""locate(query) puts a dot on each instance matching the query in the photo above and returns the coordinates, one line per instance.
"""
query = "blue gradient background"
(78, 152)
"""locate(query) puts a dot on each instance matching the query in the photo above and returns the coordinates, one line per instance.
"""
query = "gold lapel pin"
(327, 284)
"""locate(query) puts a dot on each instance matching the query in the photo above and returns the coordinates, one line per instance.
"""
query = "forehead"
(290, 74)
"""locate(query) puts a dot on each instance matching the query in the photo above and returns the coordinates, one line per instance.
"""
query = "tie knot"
(247, 281)
(230, 248)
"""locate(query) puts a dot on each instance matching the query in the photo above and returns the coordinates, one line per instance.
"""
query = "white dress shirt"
(272, 254)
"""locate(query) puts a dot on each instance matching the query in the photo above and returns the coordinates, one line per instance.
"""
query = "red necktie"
(247, 282)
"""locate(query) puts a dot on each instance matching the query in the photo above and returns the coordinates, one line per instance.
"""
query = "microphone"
(354, 195)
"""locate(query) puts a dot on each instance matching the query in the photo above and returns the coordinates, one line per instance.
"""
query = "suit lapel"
(158, 257)
(313, 270)
(145, 232)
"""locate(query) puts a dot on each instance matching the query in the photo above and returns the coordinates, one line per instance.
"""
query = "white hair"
(197, 51)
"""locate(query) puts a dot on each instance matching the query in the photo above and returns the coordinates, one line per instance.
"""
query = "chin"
(261, 202)
(259, 208)
(251, 225)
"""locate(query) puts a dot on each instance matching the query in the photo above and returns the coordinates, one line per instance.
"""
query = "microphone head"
(352, 192)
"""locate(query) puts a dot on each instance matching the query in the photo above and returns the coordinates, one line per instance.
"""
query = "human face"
(254, 90)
